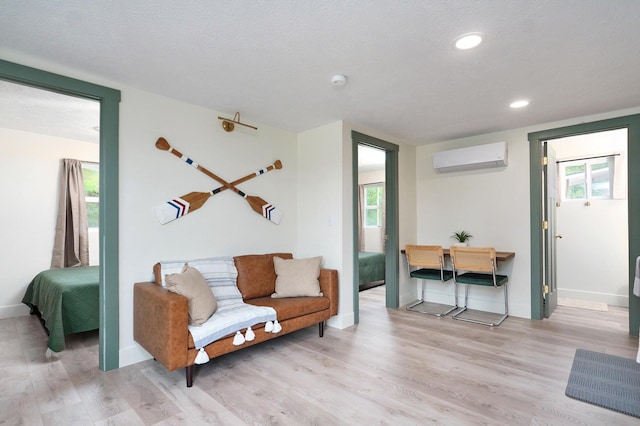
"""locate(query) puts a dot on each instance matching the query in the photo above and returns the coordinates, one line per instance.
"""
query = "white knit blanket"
(232, 314)
(228, 320)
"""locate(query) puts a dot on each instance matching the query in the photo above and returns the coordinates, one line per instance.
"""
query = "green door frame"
(109, 357)
(632, 124)
(392, 245)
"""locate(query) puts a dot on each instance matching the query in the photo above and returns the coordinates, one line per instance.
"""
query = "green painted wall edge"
(632, 123)
(109, 121)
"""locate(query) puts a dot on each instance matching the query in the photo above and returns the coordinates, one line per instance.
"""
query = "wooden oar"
(181, 206)
(258, 205)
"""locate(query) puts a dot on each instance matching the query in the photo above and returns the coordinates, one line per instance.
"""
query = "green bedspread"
(67, 300)
(371, 267)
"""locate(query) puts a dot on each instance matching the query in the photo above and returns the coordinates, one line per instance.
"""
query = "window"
(91, 177)
(373, 194)
(587, 179)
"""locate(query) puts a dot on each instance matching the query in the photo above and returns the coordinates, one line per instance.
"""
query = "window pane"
(600, 182)
(572, 170)
(576, 191)
(371, 217)
(92, 215)
(91, 182)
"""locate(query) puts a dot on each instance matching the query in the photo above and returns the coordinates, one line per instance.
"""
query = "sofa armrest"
(329, 287)
(160, 324)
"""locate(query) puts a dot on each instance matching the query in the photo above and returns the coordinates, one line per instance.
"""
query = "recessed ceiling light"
(519, 104)
(468, 41)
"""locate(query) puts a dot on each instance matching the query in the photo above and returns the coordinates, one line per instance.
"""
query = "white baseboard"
(13, 311)
(341, 321)
(589, 296)
(132, 355)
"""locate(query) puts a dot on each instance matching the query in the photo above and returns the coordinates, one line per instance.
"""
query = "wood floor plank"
(394, 368)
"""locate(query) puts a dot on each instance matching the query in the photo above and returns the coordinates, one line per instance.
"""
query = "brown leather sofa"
(160, 321)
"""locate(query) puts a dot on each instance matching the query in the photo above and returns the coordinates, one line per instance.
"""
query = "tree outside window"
(91, 177)
(374, 194)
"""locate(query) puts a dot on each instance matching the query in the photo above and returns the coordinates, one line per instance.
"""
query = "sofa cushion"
(256, 274)
(191, 284)
(293, 307)
(297, 277)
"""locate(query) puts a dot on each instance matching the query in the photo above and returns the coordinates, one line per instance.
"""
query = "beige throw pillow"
(192, 285)
(297, 277)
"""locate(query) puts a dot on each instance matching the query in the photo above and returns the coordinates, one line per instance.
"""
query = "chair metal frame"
(429, 260)
(474, 264)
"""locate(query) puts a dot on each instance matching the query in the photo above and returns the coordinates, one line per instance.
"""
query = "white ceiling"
(273, 60)
(40, 111)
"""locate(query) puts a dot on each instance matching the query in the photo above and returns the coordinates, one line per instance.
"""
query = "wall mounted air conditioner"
(471, 158)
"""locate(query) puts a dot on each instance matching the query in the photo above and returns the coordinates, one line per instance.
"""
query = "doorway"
(108, 211)
(391, 239)
(371, 225)
(541, 290)
(591, 223)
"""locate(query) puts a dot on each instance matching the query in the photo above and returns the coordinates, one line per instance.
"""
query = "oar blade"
(265, 209)
(181, 206)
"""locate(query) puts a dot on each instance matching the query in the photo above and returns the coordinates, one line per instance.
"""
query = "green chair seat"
(431, 274)
(481, 279)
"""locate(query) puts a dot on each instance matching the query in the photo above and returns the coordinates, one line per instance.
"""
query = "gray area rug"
(605, 380)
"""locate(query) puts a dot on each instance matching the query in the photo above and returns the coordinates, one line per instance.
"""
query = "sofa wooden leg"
(189, 371)
(321, 328)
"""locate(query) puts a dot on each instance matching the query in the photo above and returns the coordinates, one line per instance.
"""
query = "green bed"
(371, 268)
(66, 300)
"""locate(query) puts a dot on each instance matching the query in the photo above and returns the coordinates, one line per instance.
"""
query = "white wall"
(492, 204)
(30, 171)
(225, 225)
(592, 255)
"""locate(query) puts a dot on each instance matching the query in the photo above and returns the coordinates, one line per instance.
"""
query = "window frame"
(585, 178)
(379, 186)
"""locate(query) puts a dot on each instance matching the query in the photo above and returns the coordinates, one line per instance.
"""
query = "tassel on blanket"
(202, 357)
(249, 335)
(238, 339)
(277, 328)
(268, 326)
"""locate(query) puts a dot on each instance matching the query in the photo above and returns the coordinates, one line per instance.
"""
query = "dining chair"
(427, 263)
(477, 266)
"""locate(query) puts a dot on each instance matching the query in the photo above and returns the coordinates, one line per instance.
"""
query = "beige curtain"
(71, 244)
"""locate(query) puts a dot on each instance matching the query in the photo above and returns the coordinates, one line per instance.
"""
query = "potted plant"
(461, 237)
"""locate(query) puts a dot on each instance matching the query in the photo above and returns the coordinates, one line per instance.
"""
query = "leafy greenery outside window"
(587, 179)
(91, 177)
(373, 193)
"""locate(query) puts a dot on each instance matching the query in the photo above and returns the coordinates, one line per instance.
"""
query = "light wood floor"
(394, 368)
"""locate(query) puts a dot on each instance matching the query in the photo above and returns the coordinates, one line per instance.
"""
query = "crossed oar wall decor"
(192, 201)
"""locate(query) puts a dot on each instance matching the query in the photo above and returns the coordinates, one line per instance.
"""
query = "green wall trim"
(109, 352)
(392, 268)
(632, 124)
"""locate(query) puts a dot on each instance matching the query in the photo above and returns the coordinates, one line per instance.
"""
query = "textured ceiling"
(273, 60)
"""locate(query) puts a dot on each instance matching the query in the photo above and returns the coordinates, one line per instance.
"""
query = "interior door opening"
(391, 239)
(591, 220)
(371, 225)
(629, 124)
(108, 210)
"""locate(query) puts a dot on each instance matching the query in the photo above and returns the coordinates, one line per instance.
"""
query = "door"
(550, 199)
